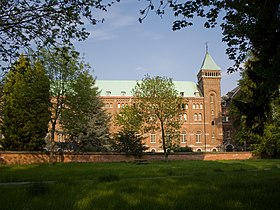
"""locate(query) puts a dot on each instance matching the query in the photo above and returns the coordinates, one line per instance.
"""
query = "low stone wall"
(40, 157)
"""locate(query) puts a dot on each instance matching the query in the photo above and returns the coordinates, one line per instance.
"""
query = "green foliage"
(159, 105)
(129, 119)
(26, 106)
(130, 143)
(183, 149)
(260, 132)
(75, 102)
(49, 22)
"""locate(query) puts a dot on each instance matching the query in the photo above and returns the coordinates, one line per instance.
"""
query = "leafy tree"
(160, 107)
(247, 26)
(76, 108)
(83, 118)
(129, 142)
(129, 139)
(26, 106)
(62, 68)
(24, 23)
(129, 119)
(265, 141)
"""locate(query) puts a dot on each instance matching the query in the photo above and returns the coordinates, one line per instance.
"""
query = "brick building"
(202, 119)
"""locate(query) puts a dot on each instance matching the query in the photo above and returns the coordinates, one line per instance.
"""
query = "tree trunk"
(163, 141)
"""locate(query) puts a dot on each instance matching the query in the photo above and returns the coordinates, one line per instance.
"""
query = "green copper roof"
(124, 87)
(209, 63)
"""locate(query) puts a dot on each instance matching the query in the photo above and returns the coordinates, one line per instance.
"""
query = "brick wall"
(39, 157)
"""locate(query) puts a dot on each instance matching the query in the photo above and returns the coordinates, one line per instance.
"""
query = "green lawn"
(250, 184)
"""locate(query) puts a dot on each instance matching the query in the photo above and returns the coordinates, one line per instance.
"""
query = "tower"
(209, 83)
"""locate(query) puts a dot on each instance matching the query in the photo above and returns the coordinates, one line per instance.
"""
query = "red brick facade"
(202, 119)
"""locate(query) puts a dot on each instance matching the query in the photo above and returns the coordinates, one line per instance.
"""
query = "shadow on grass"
(159, 185)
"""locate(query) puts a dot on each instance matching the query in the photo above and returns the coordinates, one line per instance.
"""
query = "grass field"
(250, 184)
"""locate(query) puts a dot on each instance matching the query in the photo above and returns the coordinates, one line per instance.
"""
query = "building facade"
(202, 118)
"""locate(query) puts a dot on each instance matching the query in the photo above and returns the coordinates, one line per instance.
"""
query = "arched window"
(198, 137)
(201, 106)
(199, 116)
(195, 117)
(211, 98)
(185, 117)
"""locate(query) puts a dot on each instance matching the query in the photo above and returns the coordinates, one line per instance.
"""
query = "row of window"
(120, 105)
(183, 137)
(197, 106)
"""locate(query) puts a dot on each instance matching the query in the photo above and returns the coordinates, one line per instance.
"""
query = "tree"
(76, 108)
(247, 26)
(83, 118)
(24, 23)
(159, 104)
(26, 106)
(265, 141)
(129, 142)
(129, 119)
(129, 138)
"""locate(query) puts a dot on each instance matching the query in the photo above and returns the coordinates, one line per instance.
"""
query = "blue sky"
(123, 49)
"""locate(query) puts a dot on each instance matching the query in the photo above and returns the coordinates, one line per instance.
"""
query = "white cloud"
(101, 35)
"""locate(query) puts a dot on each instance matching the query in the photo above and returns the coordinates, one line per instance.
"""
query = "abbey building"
(201, 129)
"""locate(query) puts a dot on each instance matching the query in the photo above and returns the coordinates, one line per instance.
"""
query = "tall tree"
(24, 23)
(83, 118)
(247, 26)
(159, 104)
(76, 108)
(26, 106)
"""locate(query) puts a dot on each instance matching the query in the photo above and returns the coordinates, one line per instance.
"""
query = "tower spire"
(206, 46)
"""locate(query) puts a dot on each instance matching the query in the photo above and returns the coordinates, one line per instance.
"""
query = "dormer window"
(108, 92)
(196, 93)
(123, 93)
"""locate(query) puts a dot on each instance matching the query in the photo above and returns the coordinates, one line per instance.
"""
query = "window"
(185, 117)
(198, 137)
(153, 138)
(197, 106)
(193, 106)
(213, 135)
(201, 106)
(123, 93)
(182, 94)
(199, 116)
(195, 117)
(119, 105)
(211, 98)
(183, 137)
(108, 92)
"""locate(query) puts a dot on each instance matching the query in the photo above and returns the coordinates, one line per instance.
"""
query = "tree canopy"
(159, 105)
(75, 105)
(26, 112)
(24, 23)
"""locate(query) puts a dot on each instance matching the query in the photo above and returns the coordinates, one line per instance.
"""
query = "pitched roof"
(124, 87)
(209, 63)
